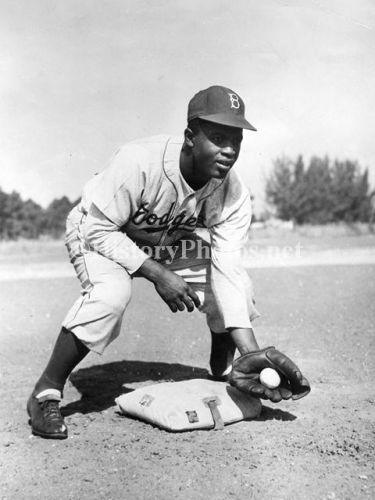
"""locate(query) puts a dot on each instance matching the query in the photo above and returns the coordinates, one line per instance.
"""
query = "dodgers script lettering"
(153, 223)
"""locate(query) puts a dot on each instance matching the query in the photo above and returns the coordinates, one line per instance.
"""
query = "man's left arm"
(229, 233)
(231, 287)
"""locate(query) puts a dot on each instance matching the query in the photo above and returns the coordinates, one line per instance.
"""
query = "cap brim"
(230, 121)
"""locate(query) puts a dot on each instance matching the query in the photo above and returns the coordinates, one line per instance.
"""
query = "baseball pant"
(96, 316)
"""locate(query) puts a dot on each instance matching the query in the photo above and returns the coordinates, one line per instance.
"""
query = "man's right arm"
(103, 236)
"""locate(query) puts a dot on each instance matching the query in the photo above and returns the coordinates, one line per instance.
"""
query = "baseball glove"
(246, 370)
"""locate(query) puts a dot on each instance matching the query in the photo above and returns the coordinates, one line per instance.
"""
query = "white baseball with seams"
(269, 378)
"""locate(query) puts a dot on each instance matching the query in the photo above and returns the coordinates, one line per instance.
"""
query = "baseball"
(270, 378)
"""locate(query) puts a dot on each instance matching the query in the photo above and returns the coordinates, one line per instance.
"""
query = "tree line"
(320, 192)
(27, 219)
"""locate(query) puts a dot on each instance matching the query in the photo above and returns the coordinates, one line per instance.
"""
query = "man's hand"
(173, 289)
(246, 370)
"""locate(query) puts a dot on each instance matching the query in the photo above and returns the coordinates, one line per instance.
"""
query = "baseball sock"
(66, 355)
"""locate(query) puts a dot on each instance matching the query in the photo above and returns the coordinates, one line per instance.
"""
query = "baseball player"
(170, 210)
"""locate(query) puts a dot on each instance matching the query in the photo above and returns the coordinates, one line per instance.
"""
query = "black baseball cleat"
(45, 417)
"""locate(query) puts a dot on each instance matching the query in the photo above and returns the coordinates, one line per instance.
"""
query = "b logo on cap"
(234, 101)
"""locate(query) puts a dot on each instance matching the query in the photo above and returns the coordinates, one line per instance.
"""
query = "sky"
(79, 78)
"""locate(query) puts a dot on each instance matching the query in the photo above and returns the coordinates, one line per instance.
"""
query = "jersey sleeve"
(102, 236)
(229, 234)
(111, 199)
(118, 189)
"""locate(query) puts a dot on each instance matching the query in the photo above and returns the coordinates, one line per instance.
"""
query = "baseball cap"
(219, 105)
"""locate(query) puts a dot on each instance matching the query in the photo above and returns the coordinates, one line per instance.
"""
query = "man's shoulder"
(147, 150)
(150, 140)
(154, 142)
(233, 186)
(234, 177)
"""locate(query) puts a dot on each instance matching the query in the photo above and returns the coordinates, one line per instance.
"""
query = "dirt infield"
(321, 447)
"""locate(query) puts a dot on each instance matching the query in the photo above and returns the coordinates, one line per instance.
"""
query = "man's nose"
(229, 150)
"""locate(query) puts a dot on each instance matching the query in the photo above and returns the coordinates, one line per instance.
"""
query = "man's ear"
(189, 137)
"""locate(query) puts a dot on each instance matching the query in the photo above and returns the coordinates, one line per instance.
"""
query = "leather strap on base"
(212, 403)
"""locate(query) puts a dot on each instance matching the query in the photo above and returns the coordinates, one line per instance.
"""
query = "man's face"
(215, 150)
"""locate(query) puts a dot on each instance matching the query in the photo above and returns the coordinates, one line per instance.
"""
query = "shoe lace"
(51, 409)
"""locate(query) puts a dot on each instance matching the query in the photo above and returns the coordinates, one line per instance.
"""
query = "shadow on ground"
(275, 414)
(100, 385)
